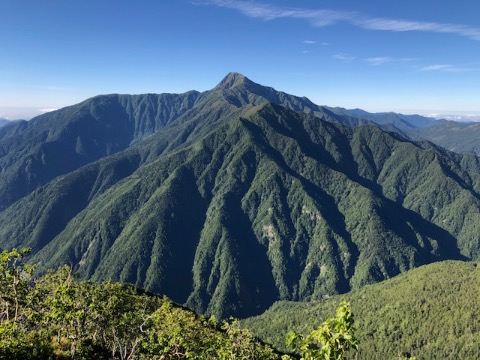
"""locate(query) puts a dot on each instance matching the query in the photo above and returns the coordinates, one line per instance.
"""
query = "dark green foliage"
(57, 317)
(33, 153)
(15, 277)
(431, 313)
(244, 202)
(263, 194)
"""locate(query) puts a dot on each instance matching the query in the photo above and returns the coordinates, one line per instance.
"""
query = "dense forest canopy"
(247, 197)
(431, 312)
(57, 317)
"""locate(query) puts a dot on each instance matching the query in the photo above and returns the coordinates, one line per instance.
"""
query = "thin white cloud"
(375, 61)
(343, 57)
(436, 67)
(380, 60)
(464, 117)
(404, 25)
(446, 68)
(271, 12)
(320, 17)
(309, 42)
(45, 110)
(26, 113)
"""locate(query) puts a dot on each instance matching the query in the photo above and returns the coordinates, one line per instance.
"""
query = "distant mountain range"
(231, 199)
(389, 118)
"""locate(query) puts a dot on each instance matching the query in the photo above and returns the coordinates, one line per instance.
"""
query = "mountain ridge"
(4, 122)
(165, 187)
(86, 129)
(245, 202)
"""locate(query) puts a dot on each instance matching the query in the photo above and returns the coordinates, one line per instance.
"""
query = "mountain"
(400, 121)
(240, 200)
(3, 122)
(34, 152)
(462, 137)
(455, 136)
(431, 313)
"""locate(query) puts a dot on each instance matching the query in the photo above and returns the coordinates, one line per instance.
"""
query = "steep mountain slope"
(243, 202)
(239, 91)
(33, 153)
(272, 205)
(431, 313)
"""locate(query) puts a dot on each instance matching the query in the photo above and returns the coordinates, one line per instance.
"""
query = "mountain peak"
(233, 79)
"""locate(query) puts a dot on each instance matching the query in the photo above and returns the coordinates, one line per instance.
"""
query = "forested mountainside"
(430, 313)
(244, 202)
(34, 152)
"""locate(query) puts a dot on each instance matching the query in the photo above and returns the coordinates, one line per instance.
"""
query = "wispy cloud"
(446, 68)
(343, 57)
(404, 25)
(12, 112)
(320, 17)
(463, 117)
(378, 60)
(313, 42)
(436, 67)
(45, 110)
(271, 12)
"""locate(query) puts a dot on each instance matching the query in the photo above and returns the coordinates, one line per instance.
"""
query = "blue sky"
(405, 56)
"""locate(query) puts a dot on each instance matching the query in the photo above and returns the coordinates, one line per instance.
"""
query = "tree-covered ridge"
(57, 317)
(272, 205)
(34, 152)
(246, 202)
(431, 313)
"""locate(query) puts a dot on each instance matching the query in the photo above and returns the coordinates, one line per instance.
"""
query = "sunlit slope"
(431, 313)
(273, 205)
